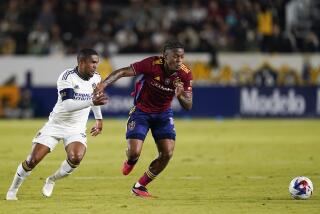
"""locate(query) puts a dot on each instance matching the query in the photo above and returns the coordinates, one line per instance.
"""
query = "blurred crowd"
(130, 26)
(265, 75)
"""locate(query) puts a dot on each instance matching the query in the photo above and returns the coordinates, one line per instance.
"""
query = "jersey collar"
(82, 77)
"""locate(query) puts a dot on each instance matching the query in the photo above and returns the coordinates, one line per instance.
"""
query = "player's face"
(89, 65)
(174, 58)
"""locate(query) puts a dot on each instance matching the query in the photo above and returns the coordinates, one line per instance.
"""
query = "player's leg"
(164, 134)
(39, 151)
(165, 152)
(137, 129)
(133, 151)
(75, 153)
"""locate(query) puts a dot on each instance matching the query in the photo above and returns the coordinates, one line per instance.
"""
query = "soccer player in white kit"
(67, 122)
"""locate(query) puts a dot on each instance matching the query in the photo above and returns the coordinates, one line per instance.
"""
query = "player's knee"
(166, 155)
(32, 162)
(75, 158)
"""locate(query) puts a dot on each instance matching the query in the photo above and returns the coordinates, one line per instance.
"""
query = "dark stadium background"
(249, 58)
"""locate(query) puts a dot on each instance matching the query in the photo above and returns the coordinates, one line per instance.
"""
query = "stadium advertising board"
(212, 102)
(274, 101)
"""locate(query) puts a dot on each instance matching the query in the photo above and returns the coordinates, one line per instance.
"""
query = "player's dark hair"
(172, 45)
(85, 53)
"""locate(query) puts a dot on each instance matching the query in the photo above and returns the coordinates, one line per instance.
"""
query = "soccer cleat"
(48, 188)
(12, 195)
(140, 191)
(126, 169)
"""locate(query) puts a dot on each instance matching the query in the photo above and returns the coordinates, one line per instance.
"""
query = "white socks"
(64, 170)
(19, 177)
(21, 174)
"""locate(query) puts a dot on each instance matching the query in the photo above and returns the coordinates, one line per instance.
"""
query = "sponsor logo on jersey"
(80, 96)
(161, 87)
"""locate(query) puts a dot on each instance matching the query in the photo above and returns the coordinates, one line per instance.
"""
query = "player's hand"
(97, 128)
(99, 99)
(99, 88)
(179, 89)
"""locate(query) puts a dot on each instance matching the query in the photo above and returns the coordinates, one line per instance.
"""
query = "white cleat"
(12, 195)
(48, 188)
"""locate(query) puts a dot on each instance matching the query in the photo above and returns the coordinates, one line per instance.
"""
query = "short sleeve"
(187, 82)
(143, 67)
(65, 88)
(64, 83)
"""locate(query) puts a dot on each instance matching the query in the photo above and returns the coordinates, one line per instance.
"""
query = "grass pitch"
(225, 166)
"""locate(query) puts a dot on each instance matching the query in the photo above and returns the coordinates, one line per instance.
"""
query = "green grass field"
(225, 166)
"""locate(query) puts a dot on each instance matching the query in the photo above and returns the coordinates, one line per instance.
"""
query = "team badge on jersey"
(94, 85)
(131, 125)
(167, 81)
(83, 135)
(76, 87)
(176, 81)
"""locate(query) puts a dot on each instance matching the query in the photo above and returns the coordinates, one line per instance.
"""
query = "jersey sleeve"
(143, 67)
(187, 82)
(65, 88)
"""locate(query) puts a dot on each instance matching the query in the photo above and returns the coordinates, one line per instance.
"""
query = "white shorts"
(50, 135)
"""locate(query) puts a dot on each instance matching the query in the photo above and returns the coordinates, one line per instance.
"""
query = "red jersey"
(155, 91)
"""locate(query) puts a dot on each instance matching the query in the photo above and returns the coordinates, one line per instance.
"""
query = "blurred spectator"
(311, 43)
(244, 76)
(288, 77)
(38, 40)
(7, 46)
(265, 27)
(306, 71)
(56, 46)
(25, 106)
(315, 76)
(265, 76)
(143, 26)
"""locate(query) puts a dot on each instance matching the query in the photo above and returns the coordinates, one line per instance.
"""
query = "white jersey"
(83, 89)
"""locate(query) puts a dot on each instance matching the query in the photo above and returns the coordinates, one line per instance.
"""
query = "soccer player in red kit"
(162, 78)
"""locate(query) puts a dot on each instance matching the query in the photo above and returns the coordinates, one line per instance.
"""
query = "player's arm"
(97, 128)
(114, 76)
(66, 92)
(73, 105)
(184, 97)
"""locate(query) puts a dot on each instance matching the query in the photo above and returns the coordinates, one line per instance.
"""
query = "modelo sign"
(271, 102)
